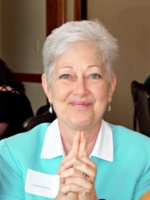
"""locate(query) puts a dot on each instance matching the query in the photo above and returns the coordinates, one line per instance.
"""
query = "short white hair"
(71, 32)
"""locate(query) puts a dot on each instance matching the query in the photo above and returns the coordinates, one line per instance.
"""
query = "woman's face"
(80, 89)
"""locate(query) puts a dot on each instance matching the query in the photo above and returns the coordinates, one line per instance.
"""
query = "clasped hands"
(77, 173)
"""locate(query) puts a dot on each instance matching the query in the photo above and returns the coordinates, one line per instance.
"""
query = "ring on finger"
(84, 175)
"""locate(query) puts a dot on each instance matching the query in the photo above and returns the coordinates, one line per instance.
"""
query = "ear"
(112, 87)
(46, 87)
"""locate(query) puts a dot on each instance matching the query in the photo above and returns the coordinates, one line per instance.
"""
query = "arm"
(11, 183)
(3, 127)
(146, 196)
(142, 190)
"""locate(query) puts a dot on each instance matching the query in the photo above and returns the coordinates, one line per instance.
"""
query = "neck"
(67, 136)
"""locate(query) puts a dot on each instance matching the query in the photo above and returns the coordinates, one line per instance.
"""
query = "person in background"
(79, 156)
(15, 107)
(147, 84)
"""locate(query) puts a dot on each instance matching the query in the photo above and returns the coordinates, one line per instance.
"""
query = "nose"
(80, 88)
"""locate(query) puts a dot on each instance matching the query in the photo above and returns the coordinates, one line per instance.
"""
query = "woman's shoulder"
(129, 136)
(131, 146)
(26, 140)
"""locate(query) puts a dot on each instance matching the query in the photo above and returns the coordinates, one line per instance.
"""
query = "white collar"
(53, 145)
(103, 147)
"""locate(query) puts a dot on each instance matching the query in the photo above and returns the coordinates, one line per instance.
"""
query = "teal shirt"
(126, 178)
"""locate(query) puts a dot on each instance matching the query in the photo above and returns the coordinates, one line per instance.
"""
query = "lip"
(80, 104)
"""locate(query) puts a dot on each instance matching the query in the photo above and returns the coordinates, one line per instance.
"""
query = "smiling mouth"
(81, 105)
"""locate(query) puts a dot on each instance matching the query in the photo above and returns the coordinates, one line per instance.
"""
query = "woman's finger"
(75, 146)
(86, 166)
(67, 161)
(81, 186)
(76, 167)
(77, 185)
(82, 145)
(71, 172)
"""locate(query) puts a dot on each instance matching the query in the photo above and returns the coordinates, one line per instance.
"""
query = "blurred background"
(24, 26)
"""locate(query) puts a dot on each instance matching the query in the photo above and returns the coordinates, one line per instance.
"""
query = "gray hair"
(64, 36)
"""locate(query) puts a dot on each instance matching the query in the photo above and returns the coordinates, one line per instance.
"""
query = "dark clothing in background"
(147, 84)
(15, 108)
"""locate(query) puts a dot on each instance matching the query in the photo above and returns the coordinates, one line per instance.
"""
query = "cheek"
(59, 93)
(101, 92)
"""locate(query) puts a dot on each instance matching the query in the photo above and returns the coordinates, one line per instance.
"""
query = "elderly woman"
(79, 156)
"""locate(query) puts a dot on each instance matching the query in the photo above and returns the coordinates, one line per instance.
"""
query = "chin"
(81, 124)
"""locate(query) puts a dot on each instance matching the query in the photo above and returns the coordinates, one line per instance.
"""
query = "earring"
(51, 108)
(109, 107)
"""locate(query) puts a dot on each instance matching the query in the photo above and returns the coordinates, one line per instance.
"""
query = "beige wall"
(129, 21)
(69, 10)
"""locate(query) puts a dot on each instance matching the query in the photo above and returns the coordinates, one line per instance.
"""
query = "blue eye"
(96, 76)
(64, 76)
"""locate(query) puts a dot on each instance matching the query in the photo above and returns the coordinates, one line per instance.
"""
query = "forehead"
(80, 52)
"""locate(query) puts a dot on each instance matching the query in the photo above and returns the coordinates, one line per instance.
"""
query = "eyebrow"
(67, 66)
(88, 67)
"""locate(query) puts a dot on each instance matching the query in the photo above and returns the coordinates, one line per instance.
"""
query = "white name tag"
(41, 184)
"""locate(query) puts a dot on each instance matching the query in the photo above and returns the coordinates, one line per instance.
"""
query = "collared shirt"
(29, 163)
(53, 145)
